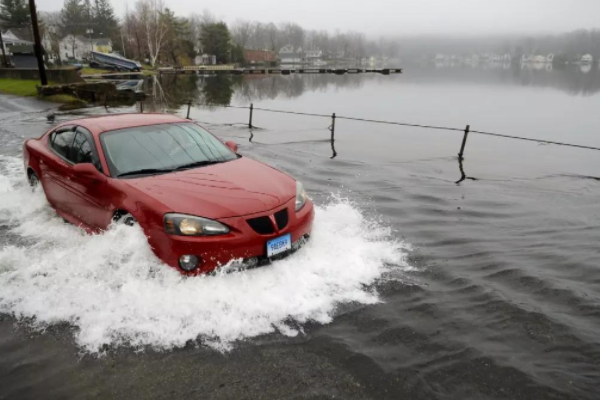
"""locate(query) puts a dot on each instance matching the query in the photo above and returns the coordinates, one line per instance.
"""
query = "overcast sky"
(416, 17)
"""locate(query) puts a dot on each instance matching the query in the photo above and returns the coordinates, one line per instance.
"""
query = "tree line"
(151, 32)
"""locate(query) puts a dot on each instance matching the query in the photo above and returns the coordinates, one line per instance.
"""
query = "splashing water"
(116, 292)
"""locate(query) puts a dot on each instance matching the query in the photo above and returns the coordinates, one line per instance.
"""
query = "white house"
(76, 47)
(313, 55)
(587, 59)
(288, 55)
(205, 59)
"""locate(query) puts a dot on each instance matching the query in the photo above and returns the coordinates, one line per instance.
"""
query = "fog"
(397, 17)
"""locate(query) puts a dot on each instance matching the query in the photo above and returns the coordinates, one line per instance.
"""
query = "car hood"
(230, 189)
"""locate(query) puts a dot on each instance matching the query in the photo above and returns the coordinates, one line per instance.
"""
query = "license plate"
(279, 245)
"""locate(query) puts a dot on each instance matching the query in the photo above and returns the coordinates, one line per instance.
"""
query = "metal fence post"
(332, 127)
(251, 115)
(189, 107)
(464, 142)
(142, 106)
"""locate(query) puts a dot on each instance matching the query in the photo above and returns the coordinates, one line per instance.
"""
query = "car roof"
(104, 123)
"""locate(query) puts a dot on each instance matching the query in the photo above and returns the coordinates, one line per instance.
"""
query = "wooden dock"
(115, 76)
(227, 69)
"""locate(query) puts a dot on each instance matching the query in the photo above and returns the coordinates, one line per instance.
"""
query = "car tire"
(33, 180)
(124, 219)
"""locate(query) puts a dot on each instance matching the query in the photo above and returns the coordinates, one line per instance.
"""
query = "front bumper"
(241, 243)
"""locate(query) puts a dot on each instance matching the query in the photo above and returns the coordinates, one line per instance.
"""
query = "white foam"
(115, 291)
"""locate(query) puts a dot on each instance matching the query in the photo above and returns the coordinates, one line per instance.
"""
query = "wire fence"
(466, 131)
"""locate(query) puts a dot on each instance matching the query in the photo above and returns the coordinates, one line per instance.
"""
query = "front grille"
(281, 217)
(261, 225)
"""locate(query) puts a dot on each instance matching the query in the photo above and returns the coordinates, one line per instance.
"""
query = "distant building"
(313, 55)
(587, 59)
(77, 48)
(205, 59)
(259, 57)
(15, 37)
(289, 55)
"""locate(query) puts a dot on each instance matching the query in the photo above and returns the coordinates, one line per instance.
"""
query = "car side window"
(61, 142)
(83, 149)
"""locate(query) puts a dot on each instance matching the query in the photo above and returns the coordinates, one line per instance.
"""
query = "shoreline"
(27, 88)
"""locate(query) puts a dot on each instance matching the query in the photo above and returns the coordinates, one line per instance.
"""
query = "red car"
(200, 203)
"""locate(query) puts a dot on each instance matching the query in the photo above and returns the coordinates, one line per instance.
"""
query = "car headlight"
(301, 196)
(188, 225)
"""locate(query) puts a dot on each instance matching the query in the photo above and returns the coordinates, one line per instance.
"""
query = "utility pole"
(89, 32)
(38, 43)
(5, 61)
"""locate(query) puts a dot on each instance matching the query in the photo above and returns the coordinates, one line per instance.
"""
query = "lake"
(425, 278)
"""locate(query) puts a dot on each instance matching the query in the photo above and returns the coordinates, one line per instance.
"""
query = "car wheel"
(124, 219)
(33, 179)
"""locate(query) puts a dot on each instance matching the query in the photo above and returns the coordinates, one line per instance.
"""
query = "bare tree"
(259, 38)
(149, 14)
(51, 23)
(293, 34)
(242, 32)
(273, 37)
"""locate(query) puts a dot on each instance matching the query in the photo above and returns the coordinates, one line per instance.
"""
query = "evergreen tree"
(74, 19)
(88, 14)
(178, 46)
(15, 13)
(104, 18)
(216, 41)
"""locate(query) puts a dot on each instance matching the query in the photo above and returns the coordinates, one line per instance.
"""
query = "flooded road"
(414, 286)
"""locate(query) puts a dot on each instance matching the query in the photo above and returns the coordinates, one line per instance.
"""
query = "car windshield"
(161, 148)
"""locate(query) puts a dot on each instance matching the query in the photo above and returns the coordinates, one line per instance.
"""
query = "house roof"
(96, 41)
(12, 36)
(24, 34)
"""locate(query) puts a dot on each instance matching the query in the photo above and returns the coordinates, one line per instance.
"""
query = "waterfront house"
(259, 57)
(313, 55)
(77, 48)
(588, 59)
(289, 55)
(526, 58)
(205, 59)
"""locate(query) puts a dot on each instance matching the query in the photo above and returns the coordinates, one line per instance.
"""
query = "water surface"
(429, 279)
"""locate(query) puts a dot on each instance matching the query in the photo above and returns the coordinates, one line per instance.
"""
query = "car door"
(90, 202)
(56, 170)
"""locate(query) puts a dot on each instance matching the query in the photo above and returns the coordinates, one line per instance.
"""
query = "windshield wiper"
(197, 164)
(145, 172)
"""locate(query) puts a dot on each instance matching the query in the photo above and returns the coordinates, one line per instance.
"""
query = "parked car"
(199, 202)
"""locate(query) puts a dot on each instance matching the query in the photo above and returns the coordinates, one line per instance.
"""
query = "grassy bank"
(28, 88)
(146, 71)
(94, 71)
(19, 87)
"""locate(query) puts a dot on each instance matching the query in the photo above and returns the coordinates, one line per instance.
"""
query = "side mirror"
(88, 171)
(233, 146)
